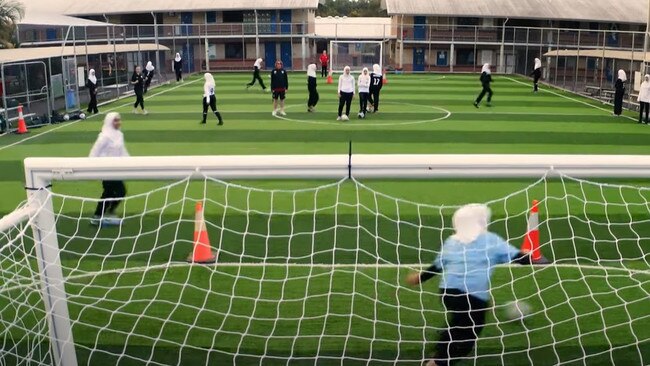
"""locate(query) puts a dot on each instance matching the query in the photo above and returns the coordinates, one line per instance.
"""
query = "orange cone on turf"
(385, 80)
(329, 77)
(202, 252)
(531, 240)
(22, 126)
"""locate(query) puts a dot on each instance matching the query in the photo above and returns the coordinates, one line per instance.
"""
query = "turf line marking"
(569, 98)
(95, 115)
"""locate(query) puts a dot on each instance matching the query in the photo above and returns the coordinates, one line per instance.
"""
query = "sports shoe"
(274, 113)
(360, 115)
(282, 113)
(220, 122)
(202, 122)
(96, 221)
(135, 111)
(247, 86)
(488, 104)
(145, 112)
(265, 90)
(111, 221)
(339, 118)
(475, 104)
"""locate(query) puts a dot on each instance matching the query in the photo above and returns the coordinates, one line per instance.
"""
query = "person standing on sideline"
(279, 86)
(91, 84)
(486, 79)
(376, 83)
(209, 99)
(257, 67)
(148, 76)
(644, 100)
(109, 143)
(619, 93)
(466, 262)
(137, 80)
(178, 67)
(364, 92)
(311, 87)
(346, 93)
(536, 74)
(324, 62)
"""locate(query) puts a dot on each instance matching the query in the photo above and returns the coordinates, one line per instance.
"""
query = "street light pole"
(644, 64)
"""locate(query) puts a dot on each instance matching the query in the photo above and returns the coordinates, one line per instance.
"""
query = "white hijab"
(376, 69)
(364, 75)
(486, 69)
(469, 222)
(149, 66)
(178, 57)
(538, 64)
(209, 80)
(311, 70)
(109, 131)
(91, 76)
(622, 75)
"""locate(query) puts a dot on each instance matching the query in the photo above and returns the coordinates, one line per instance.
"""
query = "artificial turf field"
(314, 306)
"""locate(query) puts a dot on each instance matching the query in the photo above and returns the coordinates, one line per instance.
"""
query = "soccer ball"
(82, 116)
(370, 109)
(517, 310)
(66, 117)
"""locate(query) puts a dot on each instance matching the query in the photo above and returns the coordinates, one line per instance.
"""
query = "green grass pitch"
(321, 309)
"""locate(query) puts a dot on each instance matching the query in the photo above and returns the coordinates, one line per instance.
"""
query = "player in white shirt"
(209, 99)
(346, 93)
(364, 92)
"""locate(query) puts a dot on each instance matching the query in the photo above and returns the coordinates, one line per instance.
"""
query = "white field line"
(95, 115)
(569, 98)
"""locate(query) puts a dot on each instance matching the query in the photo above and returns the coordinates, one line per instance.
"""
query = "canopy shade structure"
(615, 11)
(607, 53)
(353, 28)
(39, 53)
(49, 19)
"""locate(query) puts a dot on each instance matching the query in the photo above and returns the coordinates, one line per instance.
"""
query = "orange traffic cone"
(202, 252)
(385, 80)
(22, 126)
(329, 77)
(531, 240)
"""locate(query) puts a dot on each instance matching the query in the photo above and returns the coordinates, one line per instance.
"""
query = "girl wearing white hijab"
(536, 74)
(486, 79)
(346, 93)
(311, 87)
(110, 143)
(209, 99)
(178, 67)
(620, 91)
(376, 83)
(466, 262)
(148, 76)
(257, 67)
(364, 92)
(644, 99)
(91, 84)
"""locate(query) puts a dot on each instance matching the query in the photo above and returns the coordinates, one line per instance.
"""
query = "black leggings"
(92, 106)
(644, 108)
(112, 189)
(373, 98)
(467, 318)
(139, 100)
(536, 78)
(323, 71)
(256, 76)
(345, 99)
(363, 102)
(313, 97)
(213, 105)
(179, 75)
(486, 90)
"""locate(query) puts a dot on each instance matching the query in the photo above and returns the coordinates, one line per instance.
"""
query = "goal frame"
(40, 173)
(333, 42)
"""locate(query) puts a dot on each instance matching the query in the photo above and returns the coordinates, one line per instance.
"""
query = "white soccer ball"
(370, 109)
(517, 310)
(82, 116)
(66, 117)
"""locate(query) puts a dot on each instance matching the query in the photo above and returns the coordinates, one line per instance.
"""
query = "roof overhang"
(40, 53)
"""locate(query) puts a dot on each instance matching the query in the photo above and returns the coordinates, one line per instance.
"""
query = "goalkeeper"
(466, 262)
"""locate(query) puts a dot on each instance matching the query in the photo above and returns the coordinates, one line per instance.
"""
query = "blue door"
(186, 18)
(50, 34)
(418, 59)
(188, 58)
(274, 22)
(442, 59)
(285, 21)
(285, 53)
(269, 54)
(419, 28)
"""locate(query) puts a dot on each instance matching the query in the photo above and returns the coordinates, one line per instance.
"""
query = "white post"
(401, 43)
(645, 43)
(502, 56)
(257, 37)
(207, 54)
(51, 274)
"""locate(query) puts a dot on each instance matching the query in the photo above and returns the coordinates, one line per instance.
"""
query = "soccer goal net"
(356, 54)
(314, 273)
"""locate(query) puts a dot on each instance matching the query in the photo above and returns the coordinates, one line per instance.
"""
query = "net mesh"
(315, 276)
(357, 55)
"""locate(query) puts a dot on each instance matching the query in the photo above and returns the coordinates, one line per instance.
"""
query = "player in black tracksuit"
(137, 80)
(486, 79)
(536, 74)
(178, 67)
(311, 87)
(91, 84)
(209, 99)
(376, 83)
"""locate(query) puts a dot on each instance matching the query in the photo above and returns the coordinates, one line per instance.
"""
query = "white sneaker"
(111, 221)
(338, 118)
(345, 117)
(274, 113)
(135, 111)
(145, 112)
(282, 113)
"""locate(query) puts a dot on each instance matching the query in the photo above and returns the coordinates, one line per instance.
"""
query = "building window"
(234, 51)
(233, 16)
(467, 21)
(211, 17)
(465, 57)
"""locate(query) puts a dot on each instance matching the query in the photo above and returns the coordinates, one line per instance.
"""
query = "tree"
(11, 12)
(358, 8)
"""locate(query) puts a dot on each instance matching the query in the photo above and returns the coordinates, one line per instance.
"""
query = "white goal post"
(356, 54)
(40, 173)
